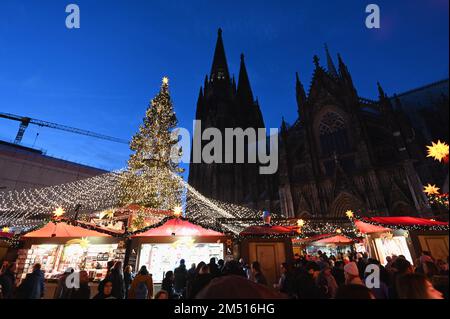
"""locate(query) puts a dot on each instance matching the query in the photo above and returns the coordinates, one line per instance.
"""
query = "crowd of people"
(320, 276)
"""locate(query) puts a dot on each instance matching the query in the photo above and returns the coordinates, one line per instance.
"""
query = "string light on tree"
(149, 180)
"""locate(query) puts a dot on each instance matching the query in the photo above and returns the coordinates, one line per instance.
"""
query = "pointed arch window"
(333, 134)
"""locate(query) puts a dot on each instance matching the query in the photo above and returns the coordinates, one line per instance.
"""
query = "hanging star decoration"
(438, 151)
(431, 190)
(5, 230)
(188, 242)
(350, 214)
(59, 212)
(300, 224)
(83, 242)
(109, 214)
(435, 197)
(178, 211)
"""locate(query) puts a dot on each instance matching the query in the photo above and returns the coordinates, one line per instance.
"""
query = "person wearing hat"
(352, 274)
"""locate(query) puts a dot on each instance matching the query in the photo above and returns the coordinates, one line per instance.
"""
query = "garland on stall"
(415, 227)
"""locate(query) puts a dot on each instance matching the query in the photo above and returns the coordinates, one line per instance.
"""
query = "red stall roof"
(382, 224)
(5, 235)
(63, 230)
(325, 239)
(267, 230)
(338, 239)
(179, 227)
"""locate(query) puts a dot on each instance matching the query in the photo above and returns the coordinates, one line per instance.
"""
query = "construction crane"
(25, 121)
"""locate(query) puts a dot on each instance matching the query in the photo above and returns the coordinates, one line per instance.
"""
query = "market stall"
(59, 246)
(271, 245)
(331, 244)
(407, 236)
(161, 248)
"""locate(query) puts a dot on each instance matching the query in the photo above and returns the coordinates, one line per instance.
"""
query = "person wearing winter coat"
(118, 281)
(7, 281)
(181, 276)
(142, 285)
(83, 291)
(352, 276)
(33, 286)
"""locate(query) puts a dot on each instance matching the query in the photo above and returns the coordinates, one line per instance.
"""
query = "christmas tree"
(150, 179)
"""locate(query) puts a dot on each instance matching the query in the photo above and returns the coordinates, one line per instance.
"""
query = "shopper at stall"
(168, 285)
(257, 274)
(181, 275)
(109, 267)
(221, 264)
(191, 272)
(107, 290)
(83, 291)
(142, 285)
(33, 286)
(338, 272)
(128, 277)
(443, 267)
(326, 283)
(7, 280)
(416, 286)
(400, 267)
(352, 276)
(62, 291)
(200, 281)
(213, 268)
(286, 283)
(245, 267)
(117, 279)
(306, 287)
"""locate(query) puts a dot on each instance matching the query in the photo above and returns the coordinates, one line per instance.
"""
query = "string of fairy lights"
(22, 210)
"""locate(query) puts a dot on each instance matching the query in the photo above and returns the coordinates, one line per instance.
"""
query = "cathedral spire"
(381, 93)
(344, 73)
(301, 94)
(219, 69)
(330, 63)
(244, 91)
(199, 111)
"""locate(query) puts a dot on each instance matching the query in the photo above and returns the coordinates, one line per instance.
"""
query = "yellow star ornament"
(431, 190)
(439, 151)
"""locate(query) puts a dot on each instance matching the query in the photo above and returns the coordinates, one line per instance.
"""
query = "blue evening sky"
(102, 76)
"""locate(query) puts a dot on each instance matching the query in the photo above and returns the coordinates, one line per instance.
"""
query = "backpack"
(141, 291)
